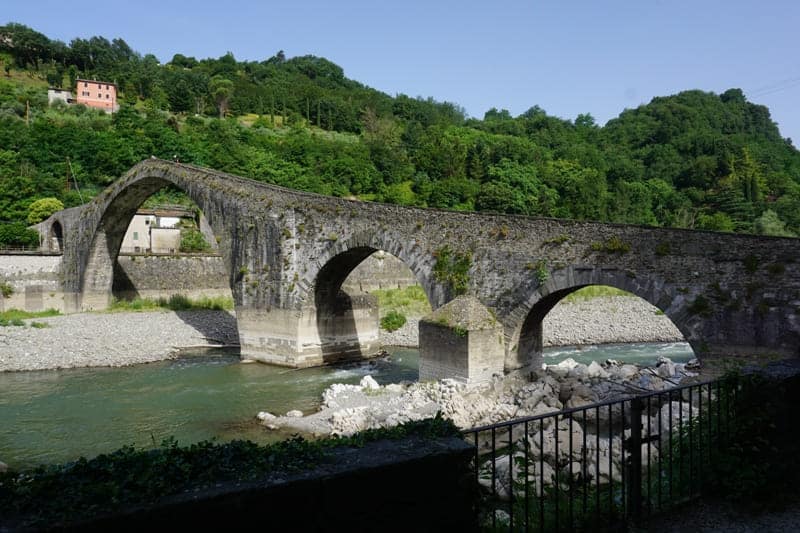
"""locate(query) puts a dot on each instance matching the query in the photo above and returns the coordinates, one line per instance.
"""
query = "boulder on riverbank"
(347, 409)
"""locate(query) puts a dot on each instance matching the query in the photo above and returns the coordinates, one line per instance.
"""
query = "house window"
(107, 97)
(135, 235)
(99, 95)
(106, 87)
(85, 84)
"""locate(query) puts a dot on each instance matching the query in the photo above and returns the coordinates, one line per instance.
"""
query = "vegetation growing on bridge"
(694, 159)
(452, 268)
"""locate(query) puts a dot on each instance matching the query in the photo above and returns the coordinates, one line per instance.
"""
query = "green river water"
(59, 415)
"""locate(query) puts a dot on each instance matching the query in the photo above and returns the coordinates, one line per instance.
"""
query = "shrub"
(129, 476)
(17, 234)
(6, 289)
(393, 321)
(453, 268)
(193, 241)
(43, 208)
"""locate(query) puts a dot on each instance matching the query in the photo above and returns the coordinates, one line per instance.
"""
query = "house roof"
(96, 81)
(167, 212)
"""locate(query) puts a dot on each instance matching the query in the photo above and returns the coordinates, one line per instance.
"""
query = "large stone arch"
(524, 324)
(114, 210)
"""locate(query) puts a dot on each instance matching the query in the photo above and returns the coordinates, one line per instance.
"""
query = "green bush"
(759, 463)
(393, 321)
(176, 302)
(17, 234)
(43, 208)
(192, 241)
(6, 289)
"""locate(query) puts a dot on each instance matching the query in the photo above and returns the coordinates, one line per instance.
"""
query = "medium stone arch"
(342, 256)
(347, 325)
(114, 210)
(524, 324)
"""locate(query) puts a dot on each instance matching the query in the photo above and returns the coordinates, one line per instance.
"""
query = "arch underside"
(96, 283)
(526, 341)
(348, 323)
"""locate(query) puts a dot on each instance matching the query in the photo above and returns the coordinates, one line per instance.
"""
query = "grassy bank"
(409, 301)
(17, 317)
(176, 302)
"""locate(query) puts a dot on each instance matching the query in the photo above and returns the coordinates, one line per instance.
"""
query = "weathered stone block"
(461, 340)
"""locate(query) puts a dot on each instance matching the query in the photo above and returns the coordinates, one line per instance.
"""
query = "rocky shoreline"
(122, 339)
(347, 409)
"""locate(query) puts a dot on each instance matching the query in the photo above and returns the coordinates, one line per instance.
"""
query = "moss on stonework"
(452, 268)
(464, 314)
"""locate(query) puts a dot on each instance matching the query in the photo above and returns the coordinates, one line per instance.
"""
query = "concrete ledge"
(406, 485)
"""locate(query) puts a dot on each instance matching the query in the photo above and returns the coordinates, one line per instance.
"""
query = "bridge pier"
(345, 331)
(461, 340)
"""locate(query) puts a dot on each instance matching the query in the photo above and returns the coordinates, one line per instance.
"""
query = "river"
(59, 415)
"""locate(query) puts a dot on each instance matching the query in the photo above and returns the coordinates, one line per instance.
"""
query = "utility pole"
(28, 113)
(75, 179)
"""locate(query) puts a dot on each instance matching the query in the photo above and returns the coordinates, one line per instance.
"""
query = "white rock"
(263, 415)
(625, 372)
(681, 415)
(368, 382)
(569, 363)
(666, 370)
(294, 414)
(580, 371)
(597, 371)
(3, 467)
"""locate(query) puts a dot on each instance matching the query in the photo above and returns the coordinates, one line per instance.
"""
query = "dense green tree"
(770, 224)
(221, 91)
(43, 208)
(694, 159)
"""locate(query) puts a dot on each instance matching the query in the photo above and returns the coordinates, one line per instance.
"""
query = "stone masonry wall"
(35, 280)
(157, 276)
(379, 271)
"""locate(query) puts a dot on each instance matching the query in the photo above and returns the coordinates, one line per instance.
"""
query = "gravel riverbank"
(121, 339)
(111, 339)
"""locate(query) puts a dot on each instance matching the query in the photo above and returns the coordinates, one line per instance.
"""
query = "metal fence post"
(635, 462)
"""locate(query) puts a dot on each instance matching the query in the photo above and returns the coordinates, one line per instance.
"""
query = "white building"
(59, 95)
(155, 231)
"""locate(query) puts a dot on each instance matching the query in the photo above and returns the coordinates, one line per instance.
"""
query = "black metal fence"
(604, 465)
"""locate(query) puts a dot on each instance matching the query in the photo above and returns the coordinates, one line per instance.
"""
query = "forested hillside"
(695, 159)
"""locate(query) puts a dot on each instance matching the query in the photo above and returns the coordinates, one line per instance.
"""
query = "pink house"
(97, 94)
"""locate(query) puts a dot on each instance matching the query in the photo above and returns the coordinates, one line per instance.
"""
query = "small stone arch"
(524, 324)
(56, 237)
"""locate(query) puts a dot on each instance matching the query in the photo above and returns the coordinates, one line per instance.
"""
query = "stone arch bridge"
(288, 252)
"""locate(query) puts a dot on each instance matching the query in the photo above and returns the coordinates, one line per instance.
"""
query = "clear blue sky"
(567, 56)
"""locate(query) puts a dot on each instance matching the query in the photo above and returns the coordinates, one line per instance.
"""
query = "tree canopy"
(694, 159)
